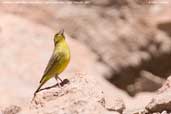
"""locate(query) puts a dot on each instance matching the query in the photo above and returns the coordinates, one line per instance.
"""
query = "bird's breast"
(64, 59)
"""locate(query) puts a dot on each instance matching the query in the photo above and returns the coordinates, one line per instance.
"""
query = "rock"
(137, 111)
(81, 95)
(116, 104)
(164, 112)
(0, 111)
(159, 103)
(166, 86)
(12, 110)
(162, 101)
(163, 21)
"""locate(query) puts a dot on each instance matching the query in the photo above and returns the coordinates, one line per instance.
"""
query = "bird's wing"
(54, 58)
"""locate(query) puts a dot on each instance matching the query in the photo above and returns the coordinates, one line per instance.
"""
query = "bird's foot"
(59, 85)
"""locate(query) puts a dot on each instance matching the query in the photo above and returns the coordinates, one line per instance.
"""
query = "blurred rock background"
(125, 45)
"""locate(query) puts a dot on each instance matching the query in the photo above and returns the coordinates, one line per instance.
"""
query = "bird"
(58, 61)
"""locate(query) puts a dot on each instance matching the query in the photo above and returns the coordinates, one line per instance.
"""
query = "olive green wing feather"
(54, 58)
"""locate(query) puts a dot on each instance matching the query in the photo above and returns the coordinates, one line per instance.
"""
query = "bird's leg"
(57, 77)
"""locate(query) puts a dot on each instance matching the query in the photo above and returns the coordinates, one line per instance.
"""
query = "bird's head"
(59, 36)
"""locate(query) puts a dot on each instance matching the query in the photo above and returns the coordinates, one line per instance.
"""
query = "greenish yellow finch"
(58, 61)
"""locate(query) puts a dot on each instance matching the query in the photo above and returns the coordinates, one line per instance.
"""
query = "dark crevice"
(157, 65)
(165, 27)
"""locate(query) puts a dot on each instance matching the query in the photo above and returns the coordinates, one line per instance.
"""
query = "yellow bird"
(58, 61)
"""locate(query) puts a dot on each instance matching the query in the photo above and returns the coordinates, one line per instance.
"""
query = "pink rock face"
(166, 86)
(162, 101)
(74, 97)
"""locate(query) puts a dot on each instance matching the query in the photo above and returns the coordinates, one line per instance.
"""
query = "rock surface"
(159, 104)
(11, 110)
(162, 101)
(80, 95)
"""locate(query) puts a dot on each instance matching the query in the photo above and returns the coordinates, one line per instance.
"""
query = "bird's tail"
(43, 78)
(42, 82)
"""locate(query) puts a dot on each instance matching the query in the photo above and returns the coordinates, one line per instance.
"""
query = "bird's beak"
(61, 32)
